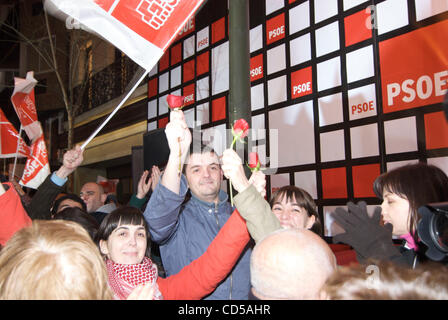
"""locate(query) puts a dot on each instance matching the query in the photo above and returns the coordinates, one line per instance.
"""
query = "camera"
(433, 226)
(433, 230)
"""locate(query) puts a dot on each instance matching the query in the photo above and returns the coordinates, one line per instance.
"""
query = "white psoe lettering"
(276, 32)
(303, 87)
(256, 71)
(188, 26)
(424, 88)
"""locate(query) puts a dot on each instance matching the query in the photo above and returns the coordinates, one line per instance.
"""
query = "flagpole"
(17, 151)
(115, 111)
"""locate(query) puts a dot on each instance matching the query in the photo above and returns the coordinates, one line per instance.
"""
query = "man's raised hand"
(178, 134)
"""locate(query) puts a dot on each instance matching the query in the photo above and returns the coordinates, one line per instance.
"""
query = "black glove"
(365, 234)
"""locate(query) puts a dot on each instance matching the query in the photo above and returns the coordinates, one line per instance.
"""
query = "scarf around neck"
(123, 278)
(410, 242)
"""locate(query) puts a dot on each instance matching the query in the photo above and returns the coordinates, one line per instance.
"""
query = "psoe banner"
(414, 68)
(24, 103)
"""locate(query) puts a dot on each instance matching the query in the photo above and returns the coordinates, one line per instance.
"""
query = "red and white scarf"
(123, 278)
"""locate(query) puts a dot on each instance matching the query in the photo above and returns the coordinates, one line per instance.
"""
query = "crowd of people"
(66, 246)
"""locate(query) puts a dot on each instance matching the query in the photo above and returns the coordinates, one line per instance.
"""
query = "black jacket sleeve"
(43, 199)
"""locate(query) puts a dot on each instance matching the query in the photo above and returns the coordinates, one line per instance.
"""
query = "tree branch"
(58, 76)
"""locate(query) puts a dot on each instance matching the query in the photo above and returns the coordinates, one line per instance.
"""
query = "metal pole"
(239, 60)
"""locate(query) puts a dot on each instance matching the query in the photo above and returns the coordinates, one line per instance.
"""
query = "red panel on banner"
(176, 53)
(164, 62)
(188, 93)
(275, 28)
(163, 122)
(219, 109)
(219, 30)
(301, 82)
(152, 88)
(334, 183)
(436, 130)
(363, 178)
(203, 64)
(414, 68)
(188, 71)
(356, 27)
(256, 67)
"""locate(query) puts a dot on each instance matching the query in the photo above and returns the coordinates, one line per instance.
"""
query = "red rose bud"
(254, 161)
(175, 102)
(241, 128)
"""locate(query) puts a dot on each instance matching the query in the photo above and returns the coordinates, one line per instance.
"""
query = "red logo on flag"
(36, 162)
(145, 16)
(23, 102)
(9, 137)
(25, 108)
(156, 12)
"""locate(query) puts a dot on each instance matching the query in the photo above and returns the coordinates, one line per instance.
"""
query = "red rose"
(254, 162)
(175, 102)
(240, 128)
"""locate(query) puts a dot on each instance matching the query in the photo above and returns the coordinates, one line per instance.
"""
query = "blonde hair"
(384, 280)
(55, 260)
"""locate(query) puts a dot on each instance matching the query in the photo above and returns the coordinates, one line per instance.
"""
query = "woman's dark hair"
(419, 183)
(80, 216)
(123, 215)
(303, 199)
(70, 196)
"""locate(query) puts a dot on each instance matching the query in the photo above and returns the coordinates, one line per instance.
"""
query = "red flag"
(109, 185)
(9, 137)
(23, 101)
(37, 167)
(142, 29)
(13, 216)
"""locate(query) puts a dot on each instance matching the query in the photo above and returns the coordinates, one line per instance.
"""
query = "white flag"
(142, 29)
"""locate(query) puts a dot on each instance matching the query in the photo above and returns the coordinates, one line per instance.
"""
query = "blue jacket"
(185, 230)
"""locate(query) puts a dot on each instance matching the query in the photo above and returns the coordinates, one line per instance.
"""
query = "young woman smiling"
(124, 241)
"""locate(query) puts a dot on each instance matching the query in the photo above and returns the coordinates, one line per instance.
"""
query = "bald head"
(291, 264)
(93, 195)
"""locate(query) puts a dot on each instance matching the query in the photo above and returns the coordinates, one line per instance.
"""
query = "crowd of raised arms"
(180, 237)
